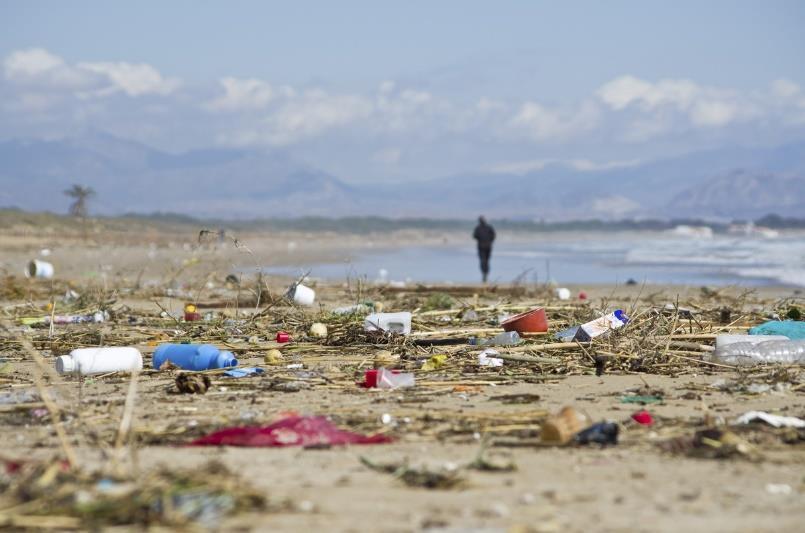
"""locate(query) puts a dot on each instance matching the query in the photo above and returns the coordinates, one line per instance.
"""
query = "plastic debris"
(533, 321)
(193, 357)
(750, 353)
(562, 293)
(434, 363)
(242, 372)
(283, 337)
(383, 378)
(643, 418)
(603, 433)
(192, 383)
(773, 420)
(290, 431)
(390, 322)
(100, 360)
(487, 358)
(601, 326)
(793, 329)
(641, 399)
(318, 330)
(562, 427)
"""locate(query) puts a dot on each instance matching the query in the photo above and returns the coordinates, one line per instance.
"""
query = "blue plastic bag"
(793, 329)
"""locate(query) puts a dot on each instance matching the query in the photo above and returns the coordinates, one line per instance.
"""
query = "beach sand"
(634, 486)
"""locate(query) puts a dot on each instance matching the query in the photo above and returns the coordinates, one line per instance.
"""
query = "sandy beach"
(644, 483)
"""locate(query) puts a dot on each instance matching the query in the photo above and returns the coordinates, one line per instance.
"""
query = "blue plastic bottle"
(193, 356)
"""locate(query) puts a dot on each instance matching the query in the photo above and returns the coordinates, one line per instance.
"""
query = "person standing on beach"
(485, 235)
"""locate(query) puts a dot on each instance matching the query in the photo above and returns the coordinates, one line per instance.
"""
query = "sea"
(685, 258)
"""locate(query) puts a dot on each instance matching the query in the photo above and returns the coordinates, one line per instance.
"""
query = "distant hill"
(220, 183)
(744, 194)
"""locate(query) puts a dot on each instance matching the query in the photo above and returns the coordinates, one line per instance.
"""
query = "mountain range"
(129, 177)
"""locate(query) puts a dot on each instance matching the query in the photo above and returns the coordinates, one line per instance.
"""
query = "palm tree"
(80, 195)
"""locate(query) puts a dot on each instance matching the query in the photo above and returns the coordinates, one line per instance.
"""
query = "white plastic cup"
(393, 322)
(100, 360)
(303, 295)
(39, 269)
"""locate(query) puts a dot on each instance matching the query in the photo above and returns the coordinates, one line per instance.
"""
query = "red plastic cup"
(283, 337)
(192, 317)
(533, 321)
(582, 295)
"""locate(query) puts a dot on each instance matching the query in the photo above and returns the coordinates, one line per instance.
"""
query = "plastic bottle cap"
(65, 364)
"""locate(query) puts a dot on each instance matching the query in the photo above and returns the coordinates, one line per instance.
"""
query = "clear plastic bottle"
(508, 338)
(750, 353)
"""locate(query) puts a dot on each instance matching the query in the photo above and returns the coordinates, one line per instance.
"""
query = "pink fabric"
(290, 431)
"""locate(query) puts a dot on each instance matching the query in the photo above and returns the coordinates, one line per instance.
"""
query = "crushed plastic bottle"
(507, 338)
(750, 353)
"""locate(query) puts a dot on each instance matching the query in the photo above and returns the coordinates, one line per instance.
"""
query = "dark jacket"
(484, 234)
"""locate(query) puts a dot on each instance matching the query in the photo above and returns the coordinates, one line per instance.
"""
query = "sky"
(381, 91)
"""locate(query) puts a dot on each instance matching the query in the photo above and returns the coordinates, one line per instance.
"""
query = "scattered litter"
(301, 294)
(39, 269)
(283, 337)
(383, 378)
(308, 431)
(273, 357)
(562, 293)
(644, 400)
(509, 338)
(434, 363)
(448, 476)
(773, 420)
(562, 427)
(533, 321)
(193, 357)
(243, 371)
(487, 358)
(389, 322)
(100, 361)
(192, 383)
(643, 418)
(318, 330)
(793, 329)
(779, 489)
(603, 433)
(751, 353)
(601, 326)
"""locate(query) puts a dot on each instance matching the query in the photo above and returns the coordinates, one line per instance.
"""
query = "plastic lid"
(65, 364)
(226, 359)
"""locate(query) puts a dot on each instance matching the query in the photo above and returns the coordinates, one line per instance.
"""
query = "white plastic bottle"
(750, 353)
(100, 360)
(392, 322)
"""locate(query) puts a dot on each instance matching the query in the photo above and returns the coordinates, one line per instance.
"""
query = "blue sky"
(375, 90)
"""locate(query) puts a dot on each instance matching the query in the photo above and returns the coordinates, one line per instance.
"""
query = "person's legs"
(483, 254)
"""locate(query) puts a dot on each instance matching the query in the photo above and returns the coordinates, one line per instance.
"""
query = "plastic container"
(392, 322)
(283, 337)
(533, 321)
(727, 339)
(562, 293)
(191, 314)
(600, 326)
(100, 360)
(388, 379)
(39, 269)
(751, 353)
(302, 295)
(193, 356)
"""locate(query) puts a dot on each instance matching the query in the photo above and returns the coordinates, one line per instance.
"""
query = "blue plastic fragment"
(793, 329)
(243, 372)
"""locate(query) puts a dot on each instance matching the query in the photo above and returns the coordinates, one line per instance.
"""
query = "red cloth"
(290, 431)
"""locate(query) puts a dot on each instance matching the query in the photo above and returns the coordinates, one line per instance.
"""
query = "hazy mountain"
(131, 177)
(744, 194)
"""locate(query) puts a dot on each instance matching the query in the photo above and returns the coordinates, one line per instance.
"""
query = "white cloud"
(243, 95)
(38, 69)
(783, 88)
(544, 124)
(388, 156)
(658, 108)
(583, 165)
(134, 79)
